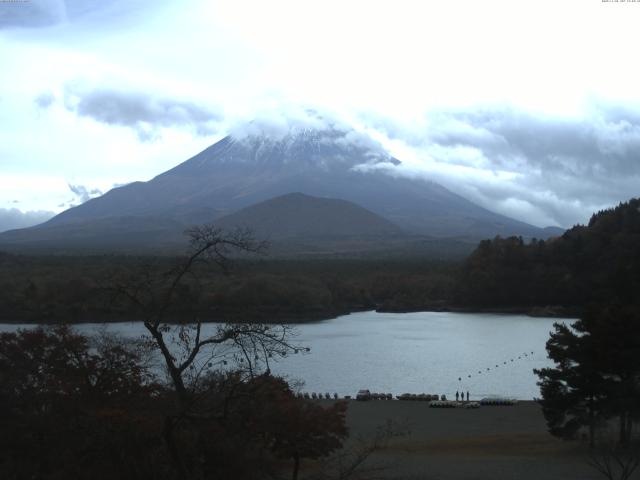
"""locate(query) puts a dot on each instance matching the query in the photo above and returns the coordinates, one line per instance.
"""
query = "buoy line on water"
(522, 356)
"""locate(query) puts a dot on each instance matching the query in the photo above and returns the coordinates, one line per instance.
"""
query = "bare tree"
(188, 348)
(154, 295)
(614, 462)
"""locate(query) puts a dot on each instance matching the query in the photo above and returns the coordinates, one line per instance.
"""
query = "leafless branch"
(154, 295)
(614, 462)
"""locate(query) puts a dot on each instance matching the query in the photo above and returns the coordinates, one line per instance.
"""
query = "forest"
(598, 262)
(50, 289)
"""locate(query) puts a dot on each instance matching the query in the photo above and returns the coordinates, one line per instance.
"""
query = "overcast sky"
(529, 108)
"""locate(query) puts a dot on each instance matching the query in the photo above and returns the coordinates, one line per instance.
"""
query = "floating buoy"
(459, 379)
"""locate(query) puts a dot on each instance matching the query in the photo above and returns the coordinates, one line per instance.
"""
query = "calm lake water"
(430, 352)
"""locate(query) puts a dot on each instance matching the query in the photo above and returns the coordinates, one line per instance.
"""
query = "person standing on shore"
(467, 395)
(457, 396)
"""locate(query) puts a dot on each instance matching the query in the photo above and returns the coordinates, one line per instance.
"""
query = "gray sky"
(531, 109)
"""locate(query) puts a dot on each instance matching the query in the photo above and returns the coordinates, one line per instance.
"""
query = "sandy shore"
(506, 442)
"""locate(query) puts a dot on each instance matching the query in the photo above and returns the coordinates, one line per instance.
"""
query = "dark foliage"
(597, 373)
(49, 289)
(71, 407)
(260, 423)
(598, 263)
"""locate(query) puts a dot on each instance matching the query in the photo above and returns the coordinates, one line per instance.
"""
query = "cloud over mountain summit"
(546, 169)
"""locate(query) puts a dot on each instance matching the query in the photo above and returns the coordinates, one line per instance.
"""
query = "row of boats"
(453, 404)
(499, 401)
(421, 397)
(435, 401)
(317, 396)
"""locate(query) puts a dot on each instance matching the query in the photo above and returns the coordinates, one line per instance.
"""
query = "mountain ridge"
(237, 172)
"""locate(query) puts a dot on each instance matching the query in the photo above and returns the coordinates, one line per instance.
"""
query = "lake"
(430, 352)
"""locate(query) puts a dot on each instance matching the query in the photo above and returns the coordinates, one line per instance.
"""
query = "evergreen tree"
(597, 373)
(572, 392)
(616, 334)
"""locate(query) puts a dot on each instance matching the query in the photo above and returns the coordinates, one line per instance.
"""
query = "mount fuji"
(243, 170)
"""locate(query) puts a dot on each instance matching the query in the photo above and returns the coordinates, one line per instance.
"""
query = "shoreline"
(312, 317)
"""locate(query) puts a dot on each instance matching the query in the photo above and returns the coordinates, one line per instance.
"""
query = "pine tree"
(597, 373)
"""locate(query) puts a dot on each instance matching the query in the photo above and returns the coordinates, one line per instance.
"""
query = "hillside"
(596, 263)
(243, 170)
(297, 215)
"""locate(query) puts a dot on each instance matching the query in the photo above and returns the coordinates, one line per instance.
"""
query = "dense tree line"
(594, 388)
(74, 288)
(597, 263)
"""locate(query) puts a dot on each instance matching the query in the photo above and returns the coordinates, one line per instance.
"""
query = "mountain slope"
(118, 233)
(243, 170)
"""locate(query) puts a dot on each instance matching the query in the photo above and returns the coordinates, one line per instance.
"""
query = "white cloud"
(141, 111)
(279, 122)
(84, 194)
(12, 218)
(26, 192)
(164, 70)
(539, 168)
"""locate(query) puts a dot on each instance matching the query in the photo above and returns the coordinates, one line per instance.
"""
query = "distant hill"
(118, 233)
(599, 262)
(243, 170)
(296, 215)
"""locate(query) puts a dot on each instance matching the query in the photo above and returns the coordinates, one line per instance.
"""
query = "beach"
(492, 442)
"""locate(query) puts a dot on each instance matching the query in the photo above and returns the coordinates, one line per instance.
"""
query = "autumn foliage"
(77, 407)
